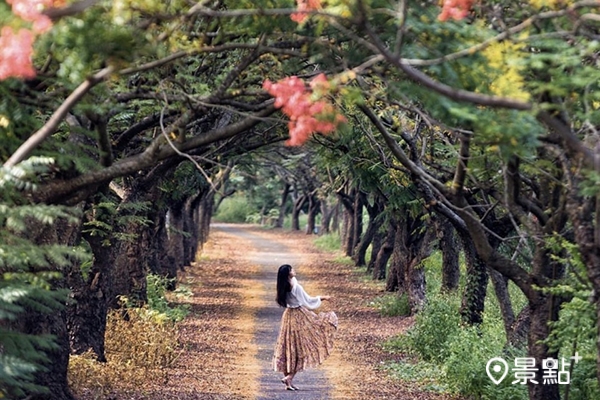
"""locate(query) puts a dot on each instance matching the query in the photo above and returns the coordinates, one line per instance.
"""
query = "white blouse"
(298, 297)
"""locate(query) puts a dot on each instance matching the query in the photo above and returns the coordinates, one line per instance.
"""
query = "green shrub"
(234, 210)
(465, 366)
(434, 326)
(584, 384)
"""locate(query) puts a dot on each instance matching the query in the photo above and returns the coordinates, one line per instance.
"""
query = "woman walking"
(305, 338)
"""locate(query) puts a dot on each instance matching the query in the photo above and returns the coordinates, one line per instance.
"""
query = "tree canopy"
(120, 121)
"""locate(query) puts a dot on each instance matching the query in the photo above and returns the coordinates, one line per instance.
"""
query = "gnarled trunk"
(283, 205)
(473, 301)
(384, 254)
(373, 226)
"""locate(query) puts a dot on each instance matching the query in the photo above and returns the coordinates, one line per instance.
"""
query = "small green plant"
(157, 302)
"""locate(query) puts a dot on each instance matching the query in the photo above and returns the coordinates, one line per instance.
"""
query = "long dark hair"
(283, 284)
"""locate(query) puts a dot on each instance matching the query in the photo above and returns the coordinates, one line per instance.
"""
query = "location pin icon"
(497, 369)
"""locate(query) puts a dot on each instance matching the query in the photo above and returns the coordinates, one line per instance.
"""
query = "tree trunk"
(176, 236)
(500, 284)
(450, 249)
(358, 221)
(54, 377)
(313, 208)
(411, 245)
(204, 214)
(376, 244)
(335, 218)
(298, 204)
(348, 229)
(363, 246)
(384, 254)
(397, 273)
(415, 283)
(473, 300)
(162, 265)
(283, 205)
(133, 254)
(86, 316)
(190, 241)
(373, 225)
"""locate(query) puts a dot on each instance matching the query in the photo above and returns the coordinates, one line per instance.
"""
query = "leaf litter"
(217, 359)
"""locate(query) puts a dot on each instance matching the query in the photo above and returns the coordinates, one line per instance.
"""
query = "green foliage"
(156, 290)
(265, 219)
(448, 356)
(330, 242)
(107, 218)
(28, 278)
(234, 209)
(92, 38)
(468, 353)
(434, 328)
(576, 329)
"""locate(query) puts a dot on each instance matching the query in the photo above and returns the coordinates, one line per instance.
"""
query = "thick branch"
(57, 191)
(461, 165)
(399, 153)
(50, 127)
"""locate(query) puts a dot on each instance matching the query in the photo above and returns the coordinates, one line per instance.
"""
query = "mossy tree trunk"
(450, 248)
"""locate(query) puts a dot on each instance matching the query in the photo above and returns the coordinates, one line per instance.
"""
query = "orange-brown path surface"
(228, 338)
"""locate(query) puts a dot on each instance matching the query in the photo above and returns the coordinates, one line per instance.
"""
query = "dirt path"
(267, 255)
(227, 340)
(229, 336)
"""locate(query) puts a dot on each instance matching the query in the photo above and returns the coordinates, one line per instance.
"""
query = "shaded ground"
(228, 338)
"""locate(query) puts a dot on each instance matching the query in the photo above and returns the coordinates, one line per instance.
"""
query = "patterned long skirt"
(305, 339)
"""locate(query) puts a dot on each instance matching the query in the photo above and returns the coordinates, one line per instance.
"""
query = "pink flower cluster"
(16, 48)
(455, 9)
(15, 54)
(307, 116)
(31, 11)
(303, 7)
